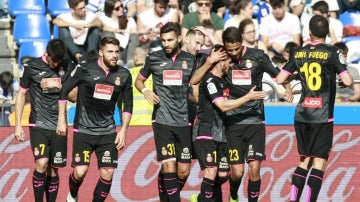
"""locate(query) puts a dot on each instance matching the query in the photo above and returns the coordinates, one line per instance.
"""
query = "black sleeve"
(70, 82)
(126, 96)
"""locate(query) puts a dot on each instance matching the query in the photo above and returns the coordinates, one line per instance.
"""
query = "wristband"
(143, 90)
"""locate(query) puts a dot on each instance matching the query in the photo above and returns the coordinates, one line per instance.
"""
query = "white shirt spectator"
(79, 35)
(280, 31)
(335, 24)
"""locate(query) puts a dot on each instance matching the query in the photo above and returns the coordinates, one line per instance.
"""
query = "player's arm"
(19, 107)
(346, 78)
(227, 105)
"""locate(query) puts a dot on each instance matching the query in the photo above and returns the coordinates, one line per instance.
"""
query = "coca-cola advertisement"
(136, 176)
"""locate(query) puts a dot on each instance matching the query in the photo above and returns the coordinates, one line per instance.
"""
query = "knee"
(41, 165)
(107, 173)
(254, 170)
(80, 172)
(237, 172)
(169, 166)
(183, 170)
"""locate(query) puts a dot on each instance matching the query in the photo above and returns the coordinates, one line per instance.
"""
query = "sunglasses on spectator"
(207, 4)
(118, 8)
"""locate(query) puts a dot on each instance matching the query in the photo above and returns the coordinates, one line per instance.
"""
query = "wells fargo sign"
(136, 176)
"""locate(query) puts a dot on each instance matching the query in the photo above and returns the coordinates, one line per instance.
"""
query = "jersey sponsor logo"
(103, 92)
(241, 77)
(163, 64)
(58, 158)
(251, 151)
(172, 77)
(185, 153)
(106, 157)
(312, 102)
(211, 88)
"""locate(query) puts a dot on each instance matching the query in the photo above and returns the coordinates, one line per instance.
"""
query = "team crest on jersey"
(248, 64)
(209, 158)
(61, 71)
(184, 65)
(36, 151)
(77, 158)
(164, 151)
(117, 81)
(211, 88)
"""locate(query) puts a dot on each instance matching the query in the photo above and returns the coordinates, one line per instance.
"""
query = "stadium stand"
(18, 7)
(31, 27)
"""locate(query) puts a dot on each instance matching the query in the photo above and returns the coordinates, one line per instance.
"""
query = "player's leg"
(58, 154)
(223, 170)
(183, 147)
(40, 149)
(107, 156)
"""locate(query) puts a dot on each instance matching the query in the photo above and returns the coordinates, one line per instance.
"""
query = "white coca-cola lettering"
(173, 76)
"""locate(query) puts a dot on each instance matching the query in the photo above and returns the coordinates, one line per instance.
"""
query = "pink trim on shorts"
(331, 120)
(204, 138)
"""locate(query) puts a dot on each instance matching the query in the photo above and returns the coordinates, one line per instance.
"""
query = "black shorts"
(47, 144)
(211, 153)
(314, 140)
(173, 142)
(103, 145)
(246, 141)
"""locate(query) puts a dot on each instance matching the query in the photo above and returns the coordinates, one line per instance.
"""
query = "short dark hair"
(277, 3)
(162, 2)
(6, 79)
(171, 27)
(341, 47)
(321, 6)
(192, 32)
(319, 26)
(232, 35)
(56, 50)
(109, 40)
(74, 3)
(237, 5)
(290, 46)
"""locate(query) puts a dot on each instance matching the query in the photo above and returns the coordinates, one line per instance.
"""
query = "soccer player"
(317, 65)
(101, 84)
(43, 79)
(171, 69)
(245, 125)
(210, 144)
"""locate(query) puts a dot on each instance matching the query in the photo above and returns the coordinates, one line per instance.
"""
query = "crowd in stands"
(274, 26)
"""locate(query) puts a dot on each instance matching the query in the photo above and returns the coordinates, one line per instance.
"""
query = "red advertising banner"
(136, 176)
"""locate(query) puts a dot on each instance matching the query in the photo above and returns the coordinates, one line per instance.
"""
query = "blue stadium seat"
(57, 7)
(31, 27)
(31, 49)
(18, 7)
(56, 32)
(350, 17)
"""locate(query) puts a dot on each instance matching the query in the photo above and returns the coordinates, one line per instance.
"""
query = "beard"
(172, 51)
(109, 64)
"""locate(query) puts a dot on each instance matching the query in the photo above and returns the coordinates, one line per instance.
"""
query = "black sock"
(181, 183)
(74, 185)
(52, 188)
(161, 188)
(102, 190)
(297, 183)
(172, 187)
(39, 185)
(234, 188)
(207, 190)
(314, 184)
(254, 190)
(219, 181)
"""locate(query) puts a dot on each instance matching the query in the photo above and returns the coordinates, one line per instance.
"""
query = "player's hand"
(151, 97)
(49, 83)
(19, 133)
(120, 139)
(289, 97)
(218, 55)
(61, 126)
(256, 95)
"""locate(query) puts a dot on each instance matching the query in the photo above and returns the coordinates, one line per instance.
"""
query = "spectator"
(240, 10)
(79, 29)
(248, 31)
(210, 41)
(335, 26)
(121, 27)
(197, 18)
(279, 28)
(3, 9)
(348, 93)
(302, 8)
(8, 89)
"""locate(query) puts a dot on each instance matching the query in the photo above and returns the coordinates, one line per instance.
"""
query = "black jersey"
(242, 76)
(317, 66)
(44, 106)
(210, 117)
(171, 83)
(98, 93)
